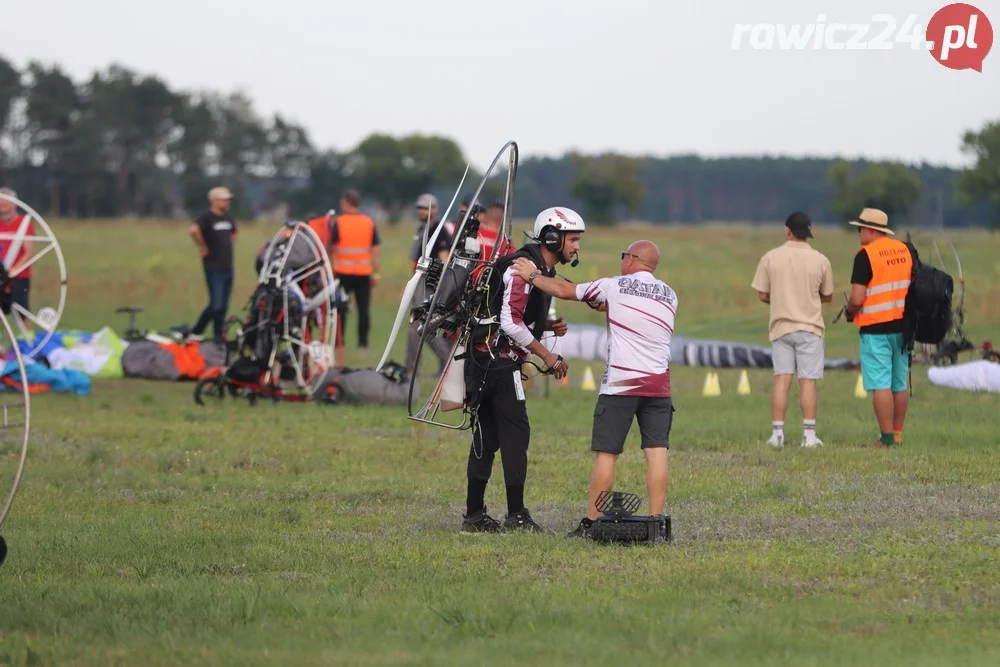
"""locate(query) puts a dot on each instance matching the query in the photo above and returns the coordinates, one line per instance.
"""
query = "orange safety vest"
(321, 226)
(885, 297)
(353, 254)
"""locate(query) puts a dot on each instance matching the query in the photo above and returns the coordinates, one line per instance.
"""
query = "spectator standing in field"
(323, 226)
(215, 233)
(354, 245)
(427, 217)
(880, 281)
(10, 226)
(795, 280)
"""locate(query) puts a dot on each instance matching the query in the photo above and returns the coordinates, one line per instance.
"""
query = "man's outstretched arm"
(561, 289)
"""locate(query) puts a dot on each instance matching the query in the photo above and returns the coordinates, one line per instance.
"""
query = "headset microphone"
(576, 260)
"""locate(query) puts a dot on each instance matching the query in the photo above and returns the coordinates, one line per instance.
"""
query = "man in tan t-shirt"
(795, 280)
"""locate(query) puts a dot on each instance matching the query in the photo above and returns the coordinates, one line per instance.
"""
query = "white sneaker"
(812, 441)
(777, 439)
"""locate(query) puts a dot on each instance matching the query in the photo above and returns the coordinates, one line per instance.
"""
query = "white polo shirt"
(640, 312)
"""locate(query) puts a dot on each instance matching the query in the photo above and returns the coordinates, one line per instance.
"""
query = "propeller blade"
(404, 306)
(414, 281)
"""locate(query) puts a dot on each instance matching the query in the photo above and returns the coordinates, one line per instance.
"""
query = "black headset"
(551, 238)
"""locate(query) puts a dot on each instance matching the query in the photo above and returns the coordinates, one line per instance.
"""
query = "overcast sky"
(637, 76)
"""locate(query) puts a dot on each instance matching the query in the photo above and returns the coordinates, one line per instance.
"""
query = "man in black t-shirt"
(427, 215)
(214, 232)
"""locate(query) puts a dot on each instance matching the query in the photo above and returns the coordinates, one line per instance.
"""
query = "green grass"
(151, 531)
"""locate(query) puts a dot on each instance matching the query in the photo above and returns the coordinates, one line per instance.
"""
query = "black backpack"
(928, 310)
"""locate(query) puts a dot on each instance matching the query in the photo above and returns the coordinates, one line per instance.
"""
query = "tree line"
(124, 144)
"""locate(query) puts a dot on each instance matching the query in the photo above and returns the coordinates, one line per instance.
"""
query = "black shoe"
(521, 520)
(582, 529)
(480, 523)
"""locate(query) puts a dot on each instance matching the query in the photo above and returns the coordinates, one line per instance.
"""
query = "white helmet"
(561, 219)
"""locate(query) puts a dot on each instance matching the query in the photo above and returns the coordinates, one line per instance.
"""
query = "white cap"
(427, 200)
(220, 192)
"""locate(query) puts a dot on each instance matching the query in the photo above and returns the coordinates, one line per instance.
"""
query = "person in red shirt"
(489, 229)
(10, 223)
(490, 223)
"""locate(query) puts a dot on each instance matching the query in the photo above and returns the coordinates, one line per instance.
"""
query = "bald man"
(640, 310)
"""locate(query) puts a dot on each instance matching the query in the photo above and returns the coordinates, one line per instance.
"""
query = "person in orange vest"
(354, 252)
(879, 284)
(323, 226)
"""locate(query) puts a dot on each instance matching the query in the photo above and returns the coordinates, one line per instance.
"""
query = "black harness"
(536, 311)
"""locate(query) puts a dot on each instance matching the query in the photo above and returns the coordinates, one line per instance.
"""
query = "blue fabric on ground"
(63, 381)
(55, 342)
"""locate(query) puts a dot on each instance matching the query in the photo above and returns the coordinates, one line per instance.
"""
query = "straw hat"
(872, 218)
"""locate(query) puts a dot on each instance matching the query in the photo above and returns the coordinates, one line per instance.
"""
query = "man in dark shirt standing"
(215, 232)
(427, 216)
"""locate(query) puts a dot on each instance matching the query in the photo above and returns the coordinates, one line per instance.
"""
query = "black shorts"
(613, 420)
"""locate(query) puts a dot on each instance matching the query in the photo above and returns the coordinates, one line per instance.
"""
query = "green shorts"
(884, 362)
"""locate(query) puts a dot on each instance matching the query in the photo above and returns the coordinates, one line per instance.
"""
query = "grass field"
(151, 531)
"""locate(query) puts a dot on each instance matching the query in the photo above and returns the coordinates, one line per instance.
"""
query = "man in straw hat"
(879, 284)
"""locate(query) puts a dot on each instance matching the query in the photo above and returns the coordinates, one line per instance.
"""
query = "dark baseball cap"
(800, 225)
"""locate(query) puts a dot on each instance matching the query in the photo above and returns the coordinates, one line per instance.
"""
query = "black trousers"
(361, 287)
(20, 288)
(502, 424)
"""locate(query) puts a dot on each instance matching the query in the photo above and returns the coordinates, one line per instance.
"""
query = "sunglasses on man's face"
(628, 254)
